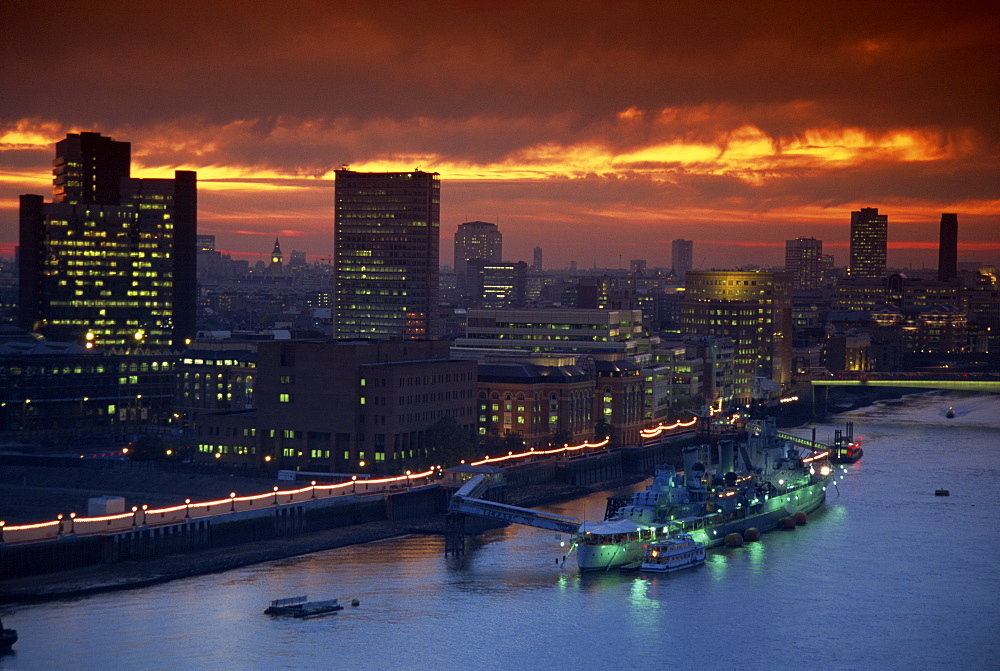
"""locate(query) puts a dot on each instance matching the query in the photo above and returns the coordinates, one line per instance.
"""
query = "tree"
(448, 443)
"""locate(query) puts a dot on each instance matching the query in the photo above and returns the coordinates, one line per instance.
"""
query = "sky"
(600, 131)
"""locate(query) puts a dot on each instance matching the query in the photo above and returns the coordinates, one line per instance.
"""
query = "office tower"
(948, 247)
(475, 240)
(111, 260)
(536, 264)
(803, 259)
(869, 231)
(386, 253)
(681, 254)
(637, 267)
(754, 308)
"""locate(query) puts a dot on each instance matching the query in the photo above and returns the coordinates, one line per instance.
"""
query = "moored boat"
(8, 637)
(301, 607)
(770, 479)
(677, 552)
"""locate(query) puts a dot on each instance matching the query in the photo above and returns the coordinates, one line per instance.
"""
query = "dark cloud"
(278, 94)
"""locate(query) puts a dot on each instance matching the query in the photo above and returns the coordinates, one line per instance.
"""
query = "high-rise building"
(386, 253)
(476, 240)
(869, 233)
(536, 264)
(948, 247)
(111, 260)
(754, 308)
(682, 253)
(803, 259)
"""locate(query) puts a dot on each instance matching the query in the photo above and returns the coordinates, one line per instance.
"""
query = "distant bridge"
(979, 382)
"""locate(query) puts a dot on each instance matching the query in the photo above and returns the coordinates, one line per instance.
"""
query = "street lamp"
(60, 518)
(354, 484)
(276, 495)
(134, 512)
(232, 502)
(2, 523)
(187, 509)
(407, 479)
(72, 516)
(313, 489)
(144, 506)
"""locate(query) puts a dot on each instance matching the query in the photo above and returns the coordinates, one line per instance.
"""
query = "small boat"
(8, 637)
(301, 607)
(677, 552)
(950, 413)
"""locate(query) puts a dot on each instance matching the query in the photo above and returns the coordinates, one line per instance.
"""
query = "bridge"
(952, 381)
(466, 502)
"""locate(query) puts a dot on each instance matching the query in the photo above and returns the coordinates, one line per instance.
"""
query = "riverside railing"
(143, 516)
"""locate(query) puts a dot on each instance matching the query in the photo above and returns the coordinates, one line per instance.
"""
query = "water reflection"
(507, 603)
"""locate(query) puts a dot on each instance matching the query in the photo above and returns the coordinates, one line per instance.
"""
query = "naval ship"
(763, 481)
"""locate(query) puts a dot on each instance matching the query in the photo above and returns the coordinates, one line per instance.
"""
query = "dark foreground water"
(887, 575)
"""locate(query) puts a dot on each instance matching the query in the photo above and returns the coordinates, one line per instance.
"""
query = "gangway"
(465, 502)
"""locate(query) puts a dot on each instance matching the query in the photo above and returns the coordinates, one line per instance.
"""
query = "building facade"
(335, 406)
(754, 308)
(476, 240)
(869, 236)
(540, 400)
(111, 261)
(681, 257)
(386, 254)
(804, 260)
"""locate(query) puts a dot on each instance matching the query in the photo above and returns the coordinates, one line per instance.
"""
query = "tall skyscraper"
(948, 247)
(682, 252)
(475, 240)
(536, 264)
(754, 308)
(111, 260)
(869, 233)
(386, 253)
(803, 259)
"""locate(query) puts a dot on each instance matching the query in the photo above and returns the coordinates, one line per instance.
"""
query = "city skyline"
(599, 133)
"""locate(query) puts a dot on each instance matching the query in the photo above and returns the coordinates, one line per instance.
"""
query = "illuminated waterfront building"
(804, 260)
(111, 260)
(753, 308)
(336, 406)
(386, 253)
(869, 234)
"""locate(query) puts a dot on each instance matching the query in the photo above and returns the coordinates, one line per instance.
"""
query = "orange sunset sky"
(600, 131)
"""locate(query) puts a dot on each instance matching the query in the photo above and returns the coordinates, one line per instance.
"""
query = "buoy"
(800, 518)
(751, 535)
(787, 523)
(734, 540)
(941, 492)
(355, 602)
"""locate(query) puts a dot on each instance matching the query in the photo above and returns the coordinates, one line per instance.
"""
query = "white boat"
(673, 554)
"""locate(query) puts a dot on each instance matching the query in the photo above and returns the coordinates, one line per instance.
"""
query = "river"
(887, 575)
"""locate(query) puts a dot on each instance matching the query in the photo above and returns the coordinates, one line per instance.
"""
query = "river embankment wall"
(548, 481)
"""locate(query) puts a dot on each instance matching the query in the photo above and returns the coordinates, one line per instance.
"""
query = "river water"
(886, 576)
